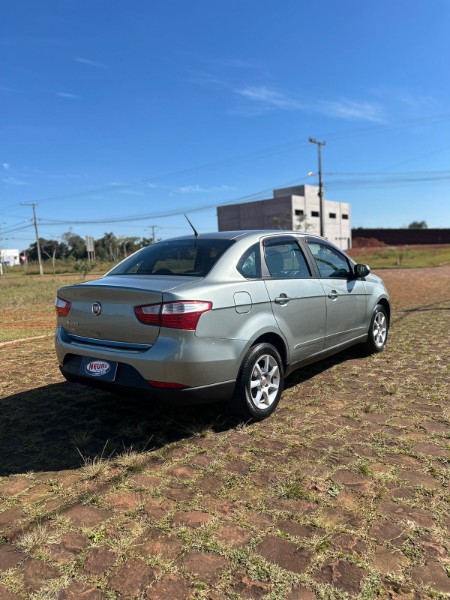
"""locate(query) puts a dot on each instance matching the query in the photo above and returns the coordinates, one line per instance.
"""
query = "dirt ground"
(342, 493)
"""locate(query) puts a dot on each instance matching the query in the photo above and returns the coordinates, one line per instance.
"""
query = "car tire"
(378, 331)
(259, 384)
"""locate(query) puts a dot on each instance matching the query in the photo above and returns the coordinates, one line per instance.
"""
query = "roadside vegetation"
(402, 257)
(27, 304)
(68, 266)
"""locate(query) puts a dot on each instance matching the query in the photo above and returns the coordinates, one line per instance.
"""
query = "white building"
(291, 208)
(9, 257)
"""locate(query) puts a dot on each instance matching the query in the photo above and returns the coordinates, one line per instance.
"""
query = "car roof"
(241, 234)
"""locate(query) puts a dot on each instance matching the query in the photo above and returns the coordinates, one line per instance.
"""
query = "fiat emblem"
(96, 308)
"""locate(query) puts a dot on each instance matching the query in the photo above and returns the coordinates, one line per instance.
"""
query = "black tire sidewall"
(371, 340)
(242, 401)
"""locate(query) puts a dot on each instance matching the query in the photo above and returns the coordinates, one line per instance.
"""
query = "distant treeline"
(108, 248)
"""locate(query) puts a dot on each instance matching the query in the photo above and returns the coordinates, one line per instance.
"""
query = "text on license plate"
(95, 367)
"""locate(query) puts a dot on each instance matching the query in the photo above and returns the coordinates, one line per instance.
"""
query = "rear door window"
(285, 259)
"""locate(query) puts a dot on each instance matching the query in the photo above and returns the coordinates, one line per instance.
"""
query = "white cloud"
(206, 79)
(269, 99)
(13, 181)
(264, 99)
(67, 95)
(353, 111)
(197, 189)
(416, 103)
(6, 166)
(88, 61)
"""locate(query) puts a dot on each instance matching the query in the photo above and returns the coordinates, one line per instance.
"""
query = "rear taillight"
(62, 307)
(150, 314)
(183, 314)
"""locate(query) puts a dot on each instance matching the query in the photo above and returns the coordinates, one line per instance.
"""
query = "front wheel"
(378, 330)
(259, 384)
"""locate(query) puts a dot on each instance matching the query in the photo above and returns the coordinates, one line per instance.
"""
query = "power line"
(352, 178)
(392, 179)
(14, 229)
(269, 151)
(171, 213)
(384, 173)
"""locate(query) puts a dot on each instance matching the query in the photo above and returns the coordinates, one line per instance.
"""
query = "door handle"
(333, 295)
(282, 299)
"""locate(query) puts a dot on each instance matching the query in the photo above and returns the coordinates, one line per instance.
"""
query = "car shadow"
(434, 306)
(58, 426)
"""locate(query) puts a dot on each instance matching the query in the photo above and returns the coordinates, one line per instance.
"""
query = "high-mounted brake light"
(62, 307)
(183, 314)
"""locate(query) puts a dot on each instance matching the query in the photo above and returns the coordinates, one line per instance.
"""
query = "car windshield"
(190, 258)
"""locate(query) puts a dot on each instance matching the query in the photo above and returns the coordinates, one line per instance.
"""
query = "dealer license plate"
(100, 369)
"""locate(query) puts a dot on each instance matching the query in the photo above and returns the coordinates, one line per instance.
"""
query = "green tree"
(107, 247)
(128, 245)
(75, 244)
(147, 241)
(50, 250)
(418, 225)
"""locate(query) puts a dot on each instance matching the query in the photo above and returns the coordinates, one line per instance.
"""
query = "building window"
(345, 217)
(315, 213)
(332, 215)
(299, 213)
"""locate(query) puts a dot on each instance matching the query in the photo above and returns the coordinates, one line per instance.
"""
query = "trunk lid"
(115, 298)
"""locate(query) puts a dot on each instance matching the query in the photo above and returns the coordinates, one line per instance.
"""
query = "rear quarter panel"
(229, 318)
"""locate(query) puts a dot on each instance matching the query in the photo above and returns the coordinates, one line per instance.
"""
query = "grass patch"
(27, 305)
(401, 257)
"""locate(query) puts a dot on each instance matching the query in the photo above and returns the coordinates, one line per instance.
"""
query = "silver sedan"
(221, 316)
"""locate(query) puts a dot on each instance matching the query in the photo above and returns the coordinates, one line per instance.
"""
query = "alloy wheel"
(379, 329)
(265, 381)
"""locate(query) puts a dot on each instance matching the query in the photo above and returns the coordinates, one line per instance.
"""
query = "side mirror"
(361, 270)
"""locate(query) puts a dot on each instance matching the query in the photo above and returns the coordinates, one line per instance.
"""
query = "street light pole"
(321, 200)
(38, 246)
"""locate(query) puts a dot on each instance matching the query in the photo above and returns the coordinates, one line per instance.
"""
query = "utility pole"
(33, 204)
(321, 201)
(153, 227)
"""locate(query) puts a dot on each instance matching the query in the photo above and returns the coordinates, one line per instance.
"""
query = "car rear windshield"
(188, 258)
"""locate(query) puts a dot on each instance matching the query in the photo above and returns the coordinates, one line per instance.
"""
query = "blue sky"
(145, 110)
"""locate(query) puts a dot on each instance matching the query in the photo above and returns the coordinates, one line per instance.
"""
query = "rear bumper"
(207, 367)
(128, 380)
(179, 357)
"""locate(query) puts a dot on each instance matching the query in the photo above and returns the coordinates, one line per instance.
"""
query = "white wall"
(10, 257)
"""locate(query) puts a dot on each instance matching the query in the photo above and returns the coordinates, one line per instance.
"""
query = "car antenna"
(193, 228)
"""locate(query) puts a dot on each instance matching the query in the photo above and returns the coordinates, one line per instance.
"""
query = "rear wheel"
(259, 384)
(378, 330)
